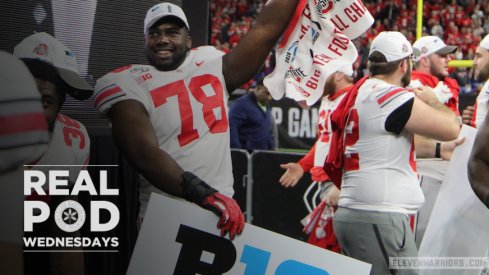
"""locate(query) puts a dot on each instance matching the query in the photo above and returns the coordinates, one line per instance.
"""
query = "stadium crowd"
(457, 22)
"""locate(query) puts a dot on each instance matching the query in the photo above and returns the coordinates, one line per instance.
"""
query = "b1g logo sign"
(195, 242)
(183, 239)
(69, 215)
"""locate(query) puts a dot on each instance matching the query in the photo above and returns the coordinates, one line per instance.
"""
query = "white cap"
(161, 10)
(393, 45)
(346, 69)
(485, 43)
(428, 45)
(47, 48)
(21, 104)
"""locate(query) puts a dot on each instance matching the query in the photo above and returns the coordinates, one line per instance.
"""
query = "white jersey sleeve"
(121, 84)
(481, 106)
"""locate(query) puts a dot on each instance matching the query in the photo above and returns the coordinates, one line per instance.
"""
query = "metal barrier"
(268, 204)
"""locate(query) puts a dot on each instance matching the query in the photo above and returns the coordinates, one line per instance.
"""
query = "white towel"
(318, 45)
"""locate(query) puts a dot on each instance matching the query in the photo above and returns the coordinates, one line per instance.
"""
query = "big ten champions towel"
(316, 43)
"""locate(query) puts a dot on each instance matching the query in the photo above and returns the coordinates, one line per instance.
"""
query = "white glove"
(442, 92)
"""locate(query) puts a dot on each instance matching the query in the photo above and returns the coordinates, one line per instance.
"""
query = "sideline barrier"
(241, 161)
(269, 205)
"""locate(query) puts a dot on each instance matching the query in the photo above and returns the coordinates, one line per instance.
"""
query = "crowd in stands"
(457, 22)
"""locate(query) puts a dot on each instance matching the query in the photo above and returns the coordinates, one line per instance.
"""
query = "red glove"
(318, 174)
(197, 191)
(232, 219)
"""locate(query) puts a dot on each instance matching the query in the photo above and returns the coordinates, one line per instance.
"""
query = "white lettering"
(58, 178)
(103, 185)
(293, 126)
(95, 225)
(30, 218)
(30, 182)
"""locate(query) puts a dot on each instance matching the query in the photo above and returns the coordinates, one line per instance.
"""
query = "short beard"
(436, 73)
(483, 74)
(176, 60)
(406, 78)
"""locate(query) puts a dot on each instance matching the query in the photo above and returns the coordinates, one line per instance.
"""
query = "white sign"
(180, 238)
(459, 223)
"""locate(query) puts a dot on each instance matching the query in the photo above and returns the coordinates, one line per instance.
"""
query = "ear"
(189, 42)
(404, 65)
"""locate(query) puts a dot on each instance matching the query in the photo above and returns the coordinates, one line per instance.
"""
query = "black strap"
(194, 189)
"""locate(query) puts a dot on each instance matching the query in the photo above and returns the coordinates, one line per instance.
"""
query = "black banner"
(296, 126)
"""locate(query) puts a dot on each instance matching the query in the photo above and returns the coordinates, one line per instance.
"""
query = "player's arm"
(429, 148)
(478, 165)
(134, 135)
(295, 171)
(248, 56)
(441, 125)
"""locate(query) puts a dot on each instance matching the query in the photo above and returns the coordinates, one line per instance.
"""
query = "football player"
(170, 118)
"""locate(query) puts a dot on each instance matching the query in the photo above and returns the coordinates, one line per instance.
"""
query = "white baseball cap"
(47, 48)
(161, 10)
(393, 45)
(485, 43)
(428, 45)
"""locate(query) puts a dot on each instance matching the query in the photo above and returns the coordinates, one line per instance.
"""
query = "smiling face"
(167, 43)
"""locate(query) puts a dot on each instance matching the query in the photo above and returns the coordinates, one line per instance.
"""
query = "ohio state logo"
(405, 48)
(324, 6)
(41, 49)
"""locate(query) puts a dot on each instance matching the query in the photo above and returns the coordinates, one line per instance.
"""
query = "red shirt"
(432, 81)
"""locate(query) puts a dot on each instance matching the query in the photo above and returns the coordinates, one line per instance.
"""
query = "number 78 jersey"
(187, 108)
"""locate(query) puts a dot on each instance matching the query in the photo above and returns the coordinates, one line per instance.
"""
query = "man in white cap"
(55, 68)
(335, 89)
(23, 138)
(170, 119)
(479, 159)
(431, 69)
(380, 188)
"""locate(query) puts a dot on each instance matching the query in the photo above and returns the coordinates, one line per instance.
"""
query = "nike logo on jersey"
(199, 63)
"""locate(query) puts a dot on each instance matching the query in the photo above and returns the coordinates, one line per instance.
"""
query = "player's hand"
(318, 174)
(198, 191)
(446, 148)
(292, 175)
(467, 115)
(426, 95)
(332, 196)
(231, 218)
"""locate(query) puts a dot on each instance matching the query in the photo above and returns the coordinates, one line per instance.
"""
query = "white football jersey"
(380, 169)
(480, 109)
(188, 110)
(69, 145)
(328, 105)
